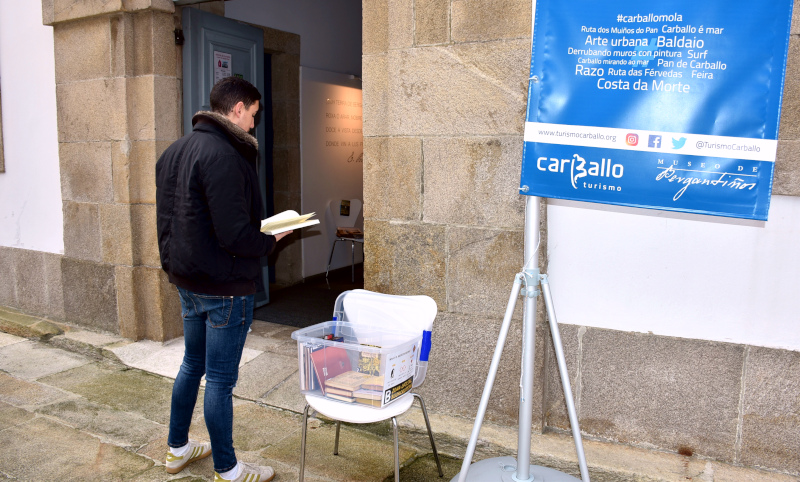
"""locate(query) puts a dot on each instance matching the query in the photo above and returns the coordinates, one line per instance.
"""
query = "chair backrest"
(408, 314)
(334, 210)
(334, 219)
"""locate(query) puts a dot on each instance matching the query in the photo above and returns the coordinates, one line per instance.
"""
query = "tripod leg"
(487, 389)
(562, 369)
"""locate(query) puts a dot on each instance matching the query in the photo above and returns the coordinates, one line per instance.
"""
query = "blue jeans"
(214, 330)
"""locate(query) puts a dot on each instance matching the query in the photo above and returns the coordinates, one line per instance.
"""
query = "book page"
(286, 221)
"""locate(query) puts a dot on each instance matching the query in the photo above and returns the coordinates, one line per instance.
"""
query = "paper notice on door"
(222, 66)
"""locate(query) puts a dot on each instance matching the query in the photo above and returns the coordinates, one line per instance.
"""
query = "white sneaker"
(250, 473)
(197, 451)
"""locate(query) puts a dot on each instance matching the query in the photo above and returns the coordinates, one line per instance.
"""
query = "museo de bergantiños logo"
(584, 174)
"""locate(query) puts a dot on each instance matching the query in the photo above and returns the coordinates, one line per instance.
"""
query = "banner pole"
(508, 469)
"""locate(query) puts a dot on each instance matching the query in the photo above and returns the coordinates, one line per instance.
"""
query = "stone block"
(31, 281)
(479, 89)
(90, 297)
(406, 259)
(292, 117)
(8, 268)
(280, 41)
(393, 178)
(142, 168)
(375, 26)
(285, 77)
(121, 170)
(771, 410)
(154, 322)
(115, 228)
(473, 181)
(171, 322)
(16, 324)
(431, 22)
(144, 155)
(141, 107)
(54, 286)
(86, 171)
(286, 169)
(82, 235)
(677, 394)
(144, 237)
(56, 11)
(81, 50)
(107, 99)
(376, 182)
(154, 47)
(122, 45)
(786, 179)
(401, 24)
(375, 95)
(126, 302)
(461, 353)
(498, 19)
(281, 111)
(489, 255)
(790, 108)
(166, 98)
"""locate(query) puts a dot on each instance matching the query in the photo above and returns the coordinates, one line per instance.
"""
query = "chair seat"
(357, 413)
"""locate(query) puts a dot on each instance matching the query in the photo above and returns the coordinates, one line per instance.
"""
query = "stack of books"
(355, 387)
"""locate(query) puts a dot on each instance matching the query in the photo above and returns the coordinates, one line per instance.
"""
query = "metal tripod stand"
(508, 469)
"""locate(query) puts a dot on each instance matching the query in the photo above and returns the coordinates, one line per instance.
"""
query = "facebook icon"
(654, 141)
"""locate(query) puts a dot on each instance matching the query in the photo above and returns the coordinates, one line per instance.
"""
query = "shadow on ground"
(311, 301)
(423, 469)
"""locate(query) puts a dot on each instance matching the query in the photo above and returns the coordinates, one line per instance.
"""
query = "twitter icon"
(678, 143)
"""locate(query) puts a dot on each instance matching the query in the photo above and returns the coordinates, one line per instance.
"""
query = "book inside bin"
(354, 363)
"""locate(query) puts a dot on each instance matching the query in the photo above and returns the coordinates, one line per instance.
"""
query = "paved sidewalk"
(84, 406)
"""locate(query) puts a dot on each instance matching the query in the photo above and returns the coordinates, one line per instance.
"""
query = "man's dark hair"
(230, 91)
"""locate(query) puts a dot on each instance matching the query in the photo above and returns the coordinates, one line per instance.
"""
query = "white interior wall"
(674, 274)
(332, 162)
(330, 30)
(30, 189)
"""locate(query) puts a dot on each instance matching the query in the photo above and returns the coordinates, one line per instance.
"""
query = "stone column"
(118, 94)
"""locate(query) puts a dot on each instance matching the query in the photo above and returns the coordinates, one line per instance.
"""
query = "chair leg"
(330, 258)
(303, 443)
(353, 262)
(430, 434)
(396, 451)
(336, 444)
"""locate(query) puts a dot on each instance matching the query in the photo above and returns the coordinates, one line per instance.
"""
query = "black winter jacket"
(209, 209)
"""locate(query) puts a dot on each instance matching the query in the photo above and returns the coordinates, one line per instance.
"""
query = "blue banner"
(672, 105)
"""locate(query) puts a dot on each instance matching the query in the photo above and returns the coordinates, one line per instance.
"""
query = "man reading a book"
(209, 217)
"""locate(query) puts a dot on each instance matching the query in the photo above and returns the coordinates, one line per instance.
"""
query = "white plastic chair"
(400, 313)
(335, 220)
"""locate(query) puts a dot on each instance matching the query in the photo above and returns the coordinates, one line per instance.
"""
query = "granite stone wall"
(444, 108)
(118, 94)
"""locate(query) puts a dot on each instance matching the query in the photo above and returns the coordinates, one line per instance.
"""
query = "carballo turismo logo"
(579, 168)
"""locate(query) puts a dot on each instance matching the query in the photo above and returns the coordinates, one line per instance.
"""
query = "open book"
(286, 221)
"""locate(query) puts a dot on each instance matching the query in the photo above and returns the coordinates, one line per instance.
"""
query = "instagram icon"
(632, 139)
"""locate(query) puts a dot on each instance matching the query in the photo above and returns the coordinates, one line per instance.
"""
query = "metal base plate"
(504, 469)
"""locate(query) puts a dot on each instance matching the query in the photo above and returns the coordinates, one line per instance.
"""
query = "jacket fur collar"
(232, 128)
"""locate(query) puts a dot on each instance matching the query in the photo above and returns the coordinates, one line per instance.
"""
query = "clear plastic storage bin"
(354, 363)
